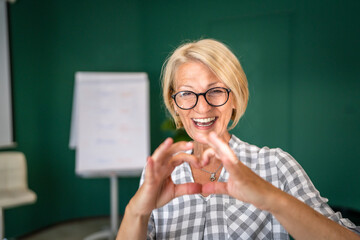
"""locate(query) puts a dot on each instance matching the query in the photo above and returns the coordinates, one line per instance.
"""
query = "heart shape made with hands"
(196, 161)
(199, 162)
(170, 155)
(206, 156)
(243, 183)
(219, 149)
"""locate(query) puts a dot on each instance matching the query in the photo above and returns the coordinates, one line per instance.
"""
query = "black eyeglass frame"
(228, 90)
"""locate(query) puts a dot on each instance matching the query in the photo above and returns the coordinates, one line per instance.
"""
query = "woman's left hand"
(300, 220)
(243, 184)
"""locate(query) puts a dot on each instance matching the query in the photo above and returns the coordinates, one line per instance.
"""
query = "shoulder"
(249, 152)
(270, 163)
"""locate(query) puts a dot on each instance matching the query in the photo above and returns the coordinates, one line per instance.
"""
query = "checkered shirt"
(224, 217)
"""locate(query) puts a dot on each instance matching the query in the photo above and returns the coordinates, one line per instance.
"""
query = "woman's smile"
(204, 123)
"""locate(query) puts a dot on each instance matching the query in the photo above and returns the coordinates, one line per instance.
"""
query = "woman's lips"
(204, 122)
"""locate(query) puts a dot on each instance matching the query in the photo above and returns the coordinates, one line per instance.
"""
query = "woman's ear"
(232, 101)
(233, 114)
(175, 107)
(233, 106)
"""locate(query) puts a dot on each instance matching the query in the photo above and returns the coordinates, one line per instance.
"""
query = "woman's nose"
(202, 105)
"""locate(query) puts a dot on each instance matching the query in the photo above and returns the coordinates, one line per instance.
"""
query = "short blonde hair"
(220, 60)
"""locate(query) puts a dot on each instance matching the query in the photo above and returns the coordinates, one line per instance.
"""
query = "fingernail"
(189, 144)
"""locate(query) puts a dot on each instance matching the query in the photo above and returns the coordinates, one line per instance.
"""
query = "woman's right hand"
(158, 187)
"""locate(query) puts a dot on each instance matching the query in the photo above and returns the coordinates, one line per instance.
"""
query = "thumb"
(215, 188)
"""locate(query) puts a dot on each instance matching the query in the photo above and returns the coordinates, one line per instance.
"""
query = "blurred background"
(301, 59)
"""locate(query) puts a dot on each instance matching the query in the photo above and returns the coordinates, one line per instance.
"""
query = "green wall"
(301, 59)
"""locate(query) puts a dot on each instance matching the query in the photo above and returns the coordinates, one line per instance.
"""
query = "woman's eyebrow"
(209, 85)
(186, 86)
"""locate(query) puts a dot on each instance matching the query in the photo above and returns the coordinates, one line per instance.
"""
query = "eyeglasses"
(215, 97)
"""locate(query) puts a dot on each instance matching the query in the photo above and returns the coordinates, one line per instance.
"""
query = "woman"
(218, 187)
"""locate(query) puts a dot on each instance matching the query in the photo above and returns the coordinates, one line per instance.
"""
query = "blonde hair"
(220, 60)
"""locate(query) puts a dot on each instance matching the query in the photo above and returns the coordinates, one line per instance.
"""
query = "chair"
(13, 184)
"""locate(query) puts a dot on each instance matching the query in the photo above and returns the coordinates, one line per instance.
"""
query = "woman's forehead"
(195, 75)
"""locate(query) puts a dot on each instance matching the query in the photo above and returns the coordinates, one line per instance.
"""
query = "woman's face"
(203, 118)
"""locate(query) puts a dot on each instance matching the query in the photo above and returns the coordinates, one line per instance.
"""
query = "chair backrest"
(13, 171)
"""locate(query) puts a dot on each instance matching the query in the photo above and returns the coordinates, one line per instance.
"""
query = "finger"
(207, 155)
(159, 151)
(206, 139)
(221, 148)
(149, 170)
(224, 153)
(184, 157)
(153, 170)
(168, 148)
(215, 188)
(180, 147)
(187, 189)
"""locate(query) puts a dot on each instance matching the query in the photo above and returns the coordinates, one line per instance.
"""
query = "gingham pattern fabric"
(223, 217)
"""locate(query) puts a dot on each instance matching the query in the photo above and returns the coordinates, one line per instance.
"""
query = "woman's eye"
(217, 91)
(185, 94)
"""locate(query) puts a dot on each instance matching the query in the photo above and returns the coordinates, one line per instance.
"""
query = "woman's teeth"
(204, 122)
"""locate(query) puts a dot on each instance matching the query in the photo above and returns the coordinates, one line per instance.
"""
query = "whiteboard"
(110, 123)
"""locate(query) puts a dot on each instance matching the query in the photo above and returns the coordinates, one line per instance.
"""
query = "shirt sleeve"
(151, 231)
(294, 180)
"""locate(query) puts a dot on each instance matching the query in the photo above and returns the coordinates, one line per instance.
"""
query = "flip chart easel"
(110, 130)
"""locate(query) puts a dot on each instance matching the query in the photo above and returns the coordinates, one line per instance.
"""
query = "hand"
(158, 187)
(243, 184)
